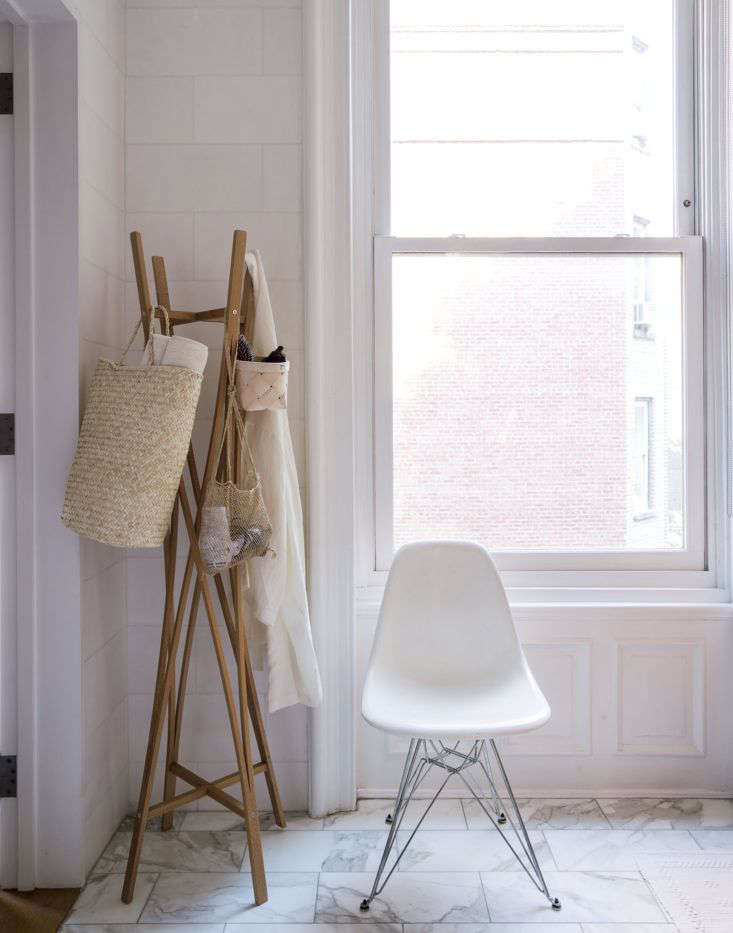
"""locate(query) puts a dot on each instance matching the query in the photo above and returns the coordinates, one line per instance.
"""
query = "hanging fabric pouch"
(262, 385)
(235, 524)
(131, 451)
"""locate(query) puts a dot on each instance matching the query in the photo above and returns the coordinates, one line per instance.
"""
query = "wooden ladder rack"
(241, 699)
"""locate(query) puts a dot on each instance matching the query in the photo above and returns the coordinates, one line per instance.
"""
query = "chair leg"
(418, 763)
(520, 829)
(488, 771)
(416, 767)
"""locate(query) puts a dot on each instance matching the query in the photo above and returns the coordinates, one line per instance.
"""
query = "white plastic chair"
(447, 668)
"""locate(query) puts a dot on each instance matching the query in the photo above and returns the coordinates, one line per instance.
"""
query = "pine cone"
(244, 350)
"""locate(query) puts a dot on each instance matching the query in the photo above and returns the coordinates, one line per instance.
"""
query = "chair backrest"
(445, 619)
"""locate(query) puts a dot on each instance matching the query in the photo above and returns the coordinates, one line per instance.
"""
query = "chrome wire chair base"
(426, 754)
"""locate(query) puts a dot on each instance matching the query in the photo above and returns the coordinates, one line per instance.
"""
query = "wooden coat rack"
(241, 700)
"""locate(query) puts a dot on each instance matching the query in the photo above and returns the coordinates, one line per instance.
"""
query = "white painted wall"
(213, 141)
(102, 243)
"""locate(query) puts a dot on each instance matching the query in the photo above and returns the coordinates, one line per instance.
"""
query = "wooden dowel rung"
(180, 800)
(212, 788)
(190, 777)
(215, 316)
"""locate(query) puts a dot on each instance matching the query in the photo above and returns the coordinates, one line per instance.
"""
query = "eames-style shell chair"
(448, 671)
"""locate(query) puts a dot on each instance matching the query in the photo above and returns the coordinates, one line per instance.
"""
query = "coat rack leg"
(252, 819)
(244, 763)
(185, 664)
(164, 684)
(246, 675)
(170, 548)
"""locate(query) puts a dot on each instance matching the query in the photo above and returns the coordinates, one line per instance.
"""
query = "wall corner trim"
(329, 397)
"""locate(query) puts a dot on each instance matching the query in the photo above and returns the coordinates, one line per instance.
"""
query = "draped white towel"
(279, 624)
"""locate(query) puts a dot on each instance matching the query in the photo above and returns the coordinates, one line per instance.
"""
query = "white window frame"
(692, 556)
(701, 573)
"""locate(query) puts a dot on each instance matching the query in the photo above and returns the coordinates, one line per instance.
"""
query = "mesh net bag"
(235, 524)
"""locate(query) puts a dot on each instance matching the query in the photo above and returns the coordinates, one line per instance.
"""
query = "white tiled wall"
(213, 141)
(101, 311)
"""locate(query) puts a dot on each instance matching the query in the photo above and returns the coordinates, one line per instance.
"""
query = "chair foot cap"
(364, 905)
(502, 819)
(555, 903)
(388, 818)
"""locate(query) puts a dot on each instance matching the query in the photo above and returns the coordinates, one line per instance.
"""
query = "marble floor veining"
(458, 876)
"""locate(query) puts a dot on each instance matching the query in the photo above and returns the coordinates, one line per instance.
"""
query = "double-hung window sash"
(536, 273)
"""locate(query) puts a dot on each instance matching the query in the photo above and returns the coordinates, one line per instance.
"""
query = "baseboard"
(565, 792)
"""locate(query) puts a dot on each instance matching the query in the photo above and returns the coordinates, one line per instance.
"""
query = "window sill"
(703, 605)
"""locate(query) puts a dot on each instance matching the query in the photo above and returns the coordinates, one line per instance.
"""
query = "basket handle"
(151, 322)
(232, 410)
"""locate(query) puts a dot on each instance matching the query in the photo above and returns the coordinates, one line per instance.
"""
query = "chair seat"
(443, 711)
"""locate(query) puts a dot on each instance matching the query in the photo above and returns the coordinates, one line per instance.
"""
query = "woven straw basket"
(262, 385)
(131, 451)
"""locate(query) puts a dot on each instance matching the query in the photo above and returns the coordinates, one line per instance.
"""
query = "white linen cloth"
(279, 624)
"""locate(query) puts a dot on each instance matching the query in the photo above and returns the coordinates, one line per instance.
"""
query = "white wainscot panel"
(661, 698)
(562, 670)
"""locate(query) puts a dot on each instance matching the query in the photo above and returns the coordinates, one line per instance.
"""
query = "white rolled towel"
(176, 351)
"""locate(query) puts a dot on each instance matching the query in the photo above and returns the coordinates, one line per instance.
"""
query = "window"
(527, 245)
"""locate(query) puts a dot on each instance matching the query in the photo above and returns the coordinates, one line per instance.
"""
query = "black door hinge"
(6, 92)
(7, 433)
(8, 776)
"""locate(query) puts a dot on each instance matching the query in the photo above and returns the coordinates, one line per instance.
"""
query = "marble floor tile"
(417, 897)
(629, 928)
(315, 928)
(719, 839)
(482, 850)
(100, 902)
(176, 851)
(212, 821)
(296, 819)
(370, 814)
(128, 824)
(330, 850)
(657, 813)
(225, 820)
(194, 897)
(143, 928)
(492, 928)
(541, 813)
(612, 849)
(586, 897)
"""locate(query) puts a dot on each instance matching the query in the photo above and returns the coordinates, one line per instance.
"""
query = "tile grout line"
(147, 899)
(486, 897)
